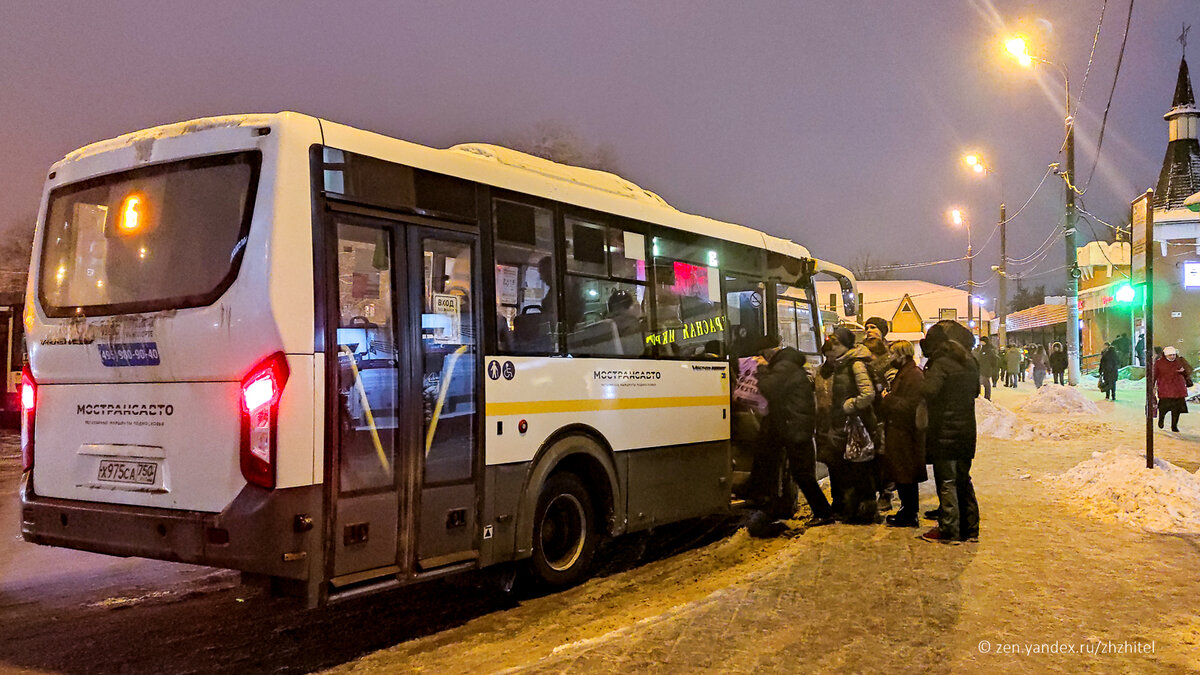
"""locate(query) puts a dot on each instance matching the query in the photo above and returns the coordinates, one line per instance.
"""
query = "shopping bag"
(746, 392)
(859, 446)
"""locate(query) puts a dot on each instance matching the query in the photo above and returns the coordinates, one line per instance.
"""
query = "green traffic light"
(1125, 293)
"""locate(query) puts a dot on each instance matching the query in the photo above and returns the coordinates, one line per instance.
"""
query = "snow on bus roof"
(169, 130)
(521, 172)
(483, 163)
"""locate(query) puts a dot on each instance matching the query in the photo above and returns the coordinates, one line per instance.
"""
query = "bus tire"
(564, 532)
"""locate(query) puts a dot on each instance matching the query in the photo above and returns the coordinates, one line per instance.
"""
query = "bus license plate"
(140, 473)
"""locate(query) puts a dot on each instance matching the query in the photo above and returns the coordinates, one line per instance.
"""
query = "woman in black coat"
(905, 443)
(950, 388)
(791, 420)
(1108, 372)
(1058, 363)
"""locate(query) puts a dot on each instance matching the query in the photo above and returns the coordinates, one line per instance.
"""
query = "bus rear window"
(164, 237)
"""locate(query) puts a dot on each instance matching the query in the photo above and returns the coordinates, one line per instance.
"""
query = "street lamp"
(959, 219)
(1019, 49)
(981, 168)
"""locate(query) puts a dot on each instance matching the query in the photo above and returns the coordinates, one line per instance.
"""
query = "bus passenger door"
(369, 401)
(446, 368)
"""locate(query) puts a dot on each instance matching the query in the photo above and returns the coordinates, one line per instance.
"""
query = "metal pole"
(1072, 257)
(1148, 318)
(970, 275)
(1002, 305)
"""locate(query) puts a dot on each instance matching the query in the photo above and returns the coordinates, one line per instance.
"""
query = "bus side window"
(605, 297)
(526, 300)
(747, 311)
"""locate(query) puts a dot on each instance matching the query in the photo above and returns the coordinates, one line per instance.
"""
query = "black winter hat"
(879, 323)
(844, 336)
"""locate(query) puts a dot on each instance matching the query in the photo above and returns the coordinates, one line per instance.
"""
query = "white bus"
(346, 362)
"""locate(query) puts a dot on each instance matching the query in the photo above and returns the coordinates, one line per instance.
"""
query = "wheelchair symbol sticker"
(510, 371)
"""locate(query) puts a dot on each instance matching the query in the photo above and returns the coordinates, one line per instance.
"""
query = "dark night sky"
(839, 124)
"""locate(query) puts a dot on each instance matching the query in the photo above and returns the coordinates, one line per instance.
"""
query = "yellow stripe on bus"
(596, 405)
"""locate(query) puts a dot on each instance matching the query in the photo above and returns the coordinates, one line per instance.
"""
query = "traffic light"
(1125, 294)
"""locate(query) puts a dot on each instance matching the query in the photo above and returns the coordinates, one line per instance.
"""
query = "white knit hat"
(1170, 351)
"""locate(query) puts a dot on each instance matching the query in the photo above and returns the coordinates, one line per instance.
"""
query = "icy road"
(1049, 586)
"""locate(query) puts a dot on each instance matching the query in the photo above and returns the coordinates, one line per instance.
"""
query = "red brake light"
(261, 390)
(28, 404)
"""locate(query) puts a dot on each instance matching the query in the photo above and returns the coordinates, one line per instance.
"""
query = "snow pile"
(1117, 486)
(999, 422)
(992, 420)
(1058, 399)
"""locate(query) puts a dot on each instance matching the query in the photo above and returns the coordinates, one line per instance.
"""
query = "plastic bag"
(859, 446)
(746, 392)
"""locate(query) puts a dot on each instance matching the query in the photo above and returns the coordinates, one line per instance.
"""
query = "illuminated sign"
(1191, 274)
(688, 331)
(132, 213)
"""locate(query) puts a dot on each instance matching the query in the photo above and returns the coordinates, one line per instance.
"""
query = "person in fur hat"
(950, 387)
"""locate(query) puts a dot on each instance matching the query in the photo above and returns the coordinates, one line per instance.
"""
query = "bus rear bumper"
(261, 531)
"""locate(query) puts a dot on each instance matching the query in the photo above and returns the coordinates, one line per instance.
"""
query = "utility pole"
(1072, 255)
(1002, 304)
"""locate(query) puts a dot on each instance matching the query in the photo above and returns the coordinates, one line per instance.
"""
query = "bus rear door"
(402, 398)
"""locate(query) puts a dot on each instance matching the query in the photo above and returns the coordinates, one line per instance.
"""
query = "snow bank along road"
(1049, 586)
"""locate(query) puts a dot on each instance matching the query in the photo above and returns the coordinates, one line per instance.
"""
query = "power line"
(1035, 191)
(1091, 56)
(1104, 119)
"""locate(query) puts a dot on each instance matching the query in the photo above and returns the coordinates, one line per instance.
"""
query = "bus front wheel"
(564, 532)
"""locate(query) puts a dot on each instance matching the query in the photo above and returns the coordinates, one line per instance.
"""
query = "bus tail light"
(28, 403)
(260, 393)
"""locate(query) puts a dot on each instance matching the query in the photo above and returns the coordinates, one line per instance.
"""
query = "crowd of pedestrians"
(876, 419)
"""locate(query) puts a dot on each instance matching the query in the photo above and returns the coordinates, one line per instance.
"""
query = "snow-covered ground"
(1058, 399)
(1116, 486)
(1092, 382)
(1035, 423)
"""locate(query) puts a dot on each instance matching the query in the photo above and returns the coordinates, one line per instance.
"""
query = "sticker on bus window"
(114, 355)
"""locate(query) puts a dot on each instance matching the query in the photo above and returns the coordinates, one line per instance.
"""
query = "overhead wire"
(1091, 55)
(1104, 119)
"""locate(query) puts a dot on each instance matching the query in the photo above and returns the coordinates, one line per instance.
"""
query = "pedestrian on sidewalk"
(1172, 378)
(882, 374)
(950, 388)
(1058, 363)
(1108, 372)
(1139, 351)
(1026, 359)
(828, 451)
(853, 399)
(903, 439)
(1038, 360)
(791, 418)
(1014, 366)
(986, 359)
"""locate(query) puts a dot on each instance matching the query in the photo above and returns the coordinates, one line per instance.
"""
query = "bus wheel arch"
(580, 451)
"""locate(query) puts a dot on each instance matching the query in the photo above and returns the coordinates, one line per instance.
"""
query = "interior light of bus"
(132, 212)
(261, 391)
(28, 404)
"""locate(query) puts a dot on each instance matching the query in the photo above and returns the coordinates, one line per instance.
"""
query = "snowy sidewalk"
(1064, 590)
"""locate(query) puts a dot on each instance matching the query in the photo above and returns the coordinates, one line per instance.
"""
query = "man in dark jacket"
(1108, 371)
(791, 419)
(988, 361)
(950, 388)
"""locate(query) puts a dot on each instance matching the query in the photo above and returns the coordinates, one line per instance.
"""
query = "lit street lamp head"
(956, 216)
(1020, 51)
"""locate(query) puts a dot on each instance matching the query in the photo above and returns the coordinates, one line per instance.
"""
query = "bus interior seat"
(598, 339)
(531, 330)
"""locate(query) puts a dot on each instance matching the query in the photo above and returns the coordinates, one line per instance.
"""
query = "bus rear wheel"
(564, 532)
